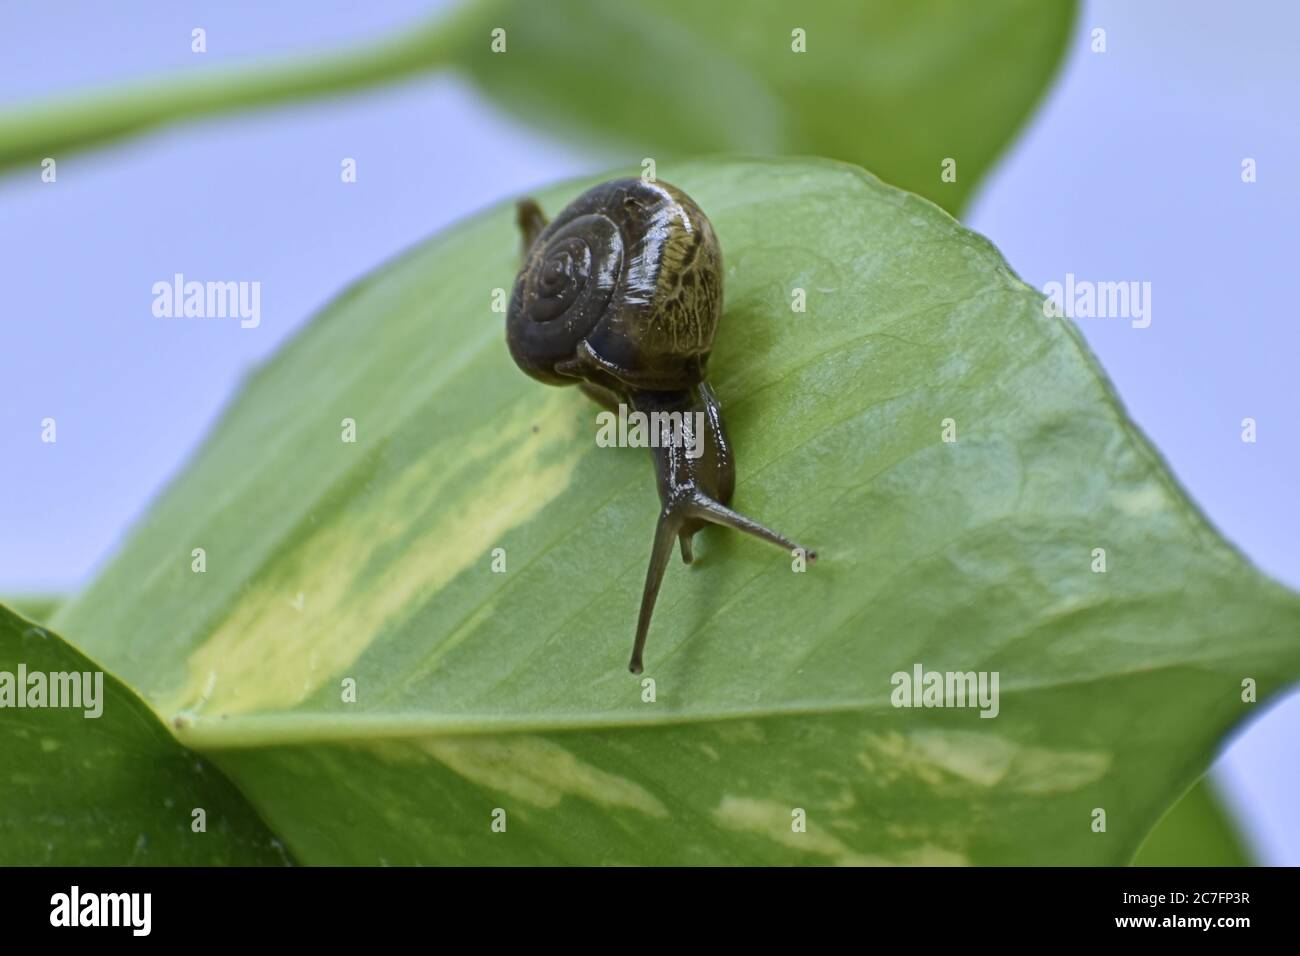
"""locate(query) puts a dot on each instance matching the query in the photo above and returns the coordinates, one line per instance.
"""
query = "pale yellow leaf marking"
(273, 649)
(771, 819)
(1147, 499)
(740, 732)
(533, 770)
(986, 760)
(708, 751)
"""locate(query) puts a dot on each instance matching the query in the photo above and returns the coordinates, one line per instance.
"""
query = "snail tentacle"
(701, 506)
(531, 221)
(670, 523)
(682, 515)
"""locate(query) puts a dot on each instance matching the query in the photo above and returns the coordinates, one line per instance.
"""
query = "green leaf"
(477, 690)
(897, 87)
(110, 789)
(36, 607)
(1198, 831)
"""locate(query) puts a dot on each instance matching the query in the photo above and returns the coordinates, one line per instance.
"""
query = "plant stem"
(80, 122)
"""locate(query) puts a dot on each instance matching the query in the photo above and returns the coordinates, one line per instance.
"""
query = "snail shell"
(624, 288)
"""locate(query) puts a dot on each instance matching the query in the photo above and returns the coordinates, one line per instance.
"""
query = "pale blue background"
(1130, 171)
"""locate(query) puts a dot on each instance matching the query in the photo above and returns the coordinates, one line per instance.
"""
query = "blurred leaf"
(109, 790)
(36, 607)
(330, 561)
(895, 86)
(1198, 831)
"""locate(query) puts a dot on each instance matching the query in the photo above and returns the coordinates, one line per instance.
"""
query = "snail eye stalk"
(531, 221)
(673, 522)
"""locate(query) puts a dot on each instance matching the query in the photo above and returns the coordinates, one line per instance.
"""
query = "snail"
(620, 294)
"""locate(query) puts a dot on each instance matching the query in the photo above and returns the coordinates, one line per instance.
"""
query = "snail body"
(621, 294)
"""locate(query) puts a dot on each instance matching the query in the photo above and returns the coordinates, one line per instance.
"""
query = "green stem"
(57, 128)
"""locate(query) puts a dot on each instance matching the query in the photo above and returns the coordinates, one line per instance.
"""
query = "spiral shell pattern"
(623, 288)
